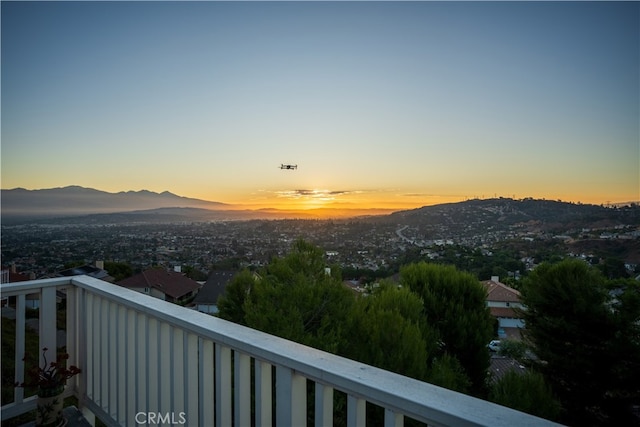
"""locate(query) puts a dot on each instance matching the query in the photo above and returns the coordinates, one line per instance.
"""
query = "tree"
(194, 274)
(388, 330)
(446, 371)
(231, 302)
(298, 299)
(526, 392)
(514, 349)
(587, 343)
(613, 268)
(118, 270)
(455, 306)
(624, 387)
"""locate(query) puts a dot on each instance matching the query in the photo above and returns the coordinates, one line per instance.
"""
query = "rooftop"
(171, 283)
(499, 292)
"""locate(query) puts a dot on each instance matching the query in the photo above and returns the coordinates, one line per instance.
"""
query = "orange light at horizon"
(323, 203)
(328, 203)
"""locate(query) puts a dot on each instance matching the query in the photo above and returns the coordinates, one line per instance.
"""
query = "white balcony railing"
(140, 356)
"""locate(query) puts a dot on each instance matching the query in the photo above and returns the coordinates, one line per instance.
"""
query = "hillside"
(490, 216)
(468, 219)
(79, 204)
(75, 200)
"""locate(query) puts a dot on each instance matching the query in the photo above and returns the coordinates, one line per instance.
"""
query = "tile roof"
(171, 283)
(500, 292)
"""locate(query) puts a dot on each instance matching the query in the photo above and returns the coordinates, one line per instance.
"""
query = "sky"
(380, 104)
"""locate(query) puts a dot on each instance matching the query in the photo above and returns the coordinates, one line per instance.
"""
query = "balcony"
(148, 362)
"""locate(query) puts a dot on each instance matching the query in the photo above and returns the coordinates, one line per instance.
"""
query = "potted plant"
(49, 381)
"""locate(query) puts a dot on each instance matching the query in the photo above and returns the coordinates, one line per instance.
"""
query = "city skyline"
(380, 104)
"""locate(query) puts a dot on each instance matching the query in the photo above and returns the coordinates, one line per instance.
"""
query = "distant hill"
(479, 217)
(75, 200)
(75, 204)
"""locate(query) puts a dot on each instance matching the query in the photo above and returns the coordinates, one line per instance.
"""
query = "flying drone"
(288, 167)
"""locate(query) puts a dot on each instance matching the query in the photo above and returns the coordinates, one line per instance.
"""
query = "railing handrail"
(415, 399)
(32, 286)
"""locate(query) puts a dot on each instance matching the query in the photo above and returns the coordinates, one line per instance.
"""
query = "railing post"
(72, 333)
(121, 345)
(131, 392)
(206, 386)
(324, 405)
(103, 359)
(142, 364)
(82, 319)
(263, 393)
(291, 398)
(85, 335)
(112, 359)
(153, 360)
(242, 388)
(393, 419)
(91, 333)
(223, 386)
(191, 411)
(48, 329)
(20, 346)
(356, 411)
(165, 367)
(177, 362)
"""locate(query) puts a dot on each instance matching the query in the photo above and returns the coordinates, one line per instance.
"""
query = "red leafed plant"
(51, 375)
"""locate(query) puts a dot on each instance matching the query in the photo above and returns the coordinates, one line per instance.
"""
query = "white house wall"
(510, 323)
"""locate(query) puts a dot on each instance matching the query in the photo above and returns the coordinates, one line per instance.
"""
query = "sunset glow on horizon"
(382, 105)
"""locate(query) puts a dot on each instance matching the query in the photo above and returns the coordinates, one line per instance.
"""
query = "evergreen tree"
(446, 371)
(231, 302)
(526, 392)
(588, 344)
(298, 299)
(387, 330)
(455, 305)
(118, 270)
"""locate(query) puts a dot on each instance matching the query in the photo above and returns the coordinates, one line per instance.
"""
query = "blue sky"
(379, 103)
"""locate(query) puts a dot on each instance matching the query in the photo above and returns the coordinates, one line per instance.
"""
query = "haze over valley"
(19, 204)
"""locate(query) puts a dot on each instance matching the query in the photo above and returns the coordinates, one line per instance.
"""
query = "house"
(207, 299)
(502, 302)
(166, 285)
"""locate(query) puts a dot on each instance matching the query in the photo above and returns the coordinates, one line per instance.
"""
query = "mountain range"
(76, 200)
(73, 201)
(86, 205)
